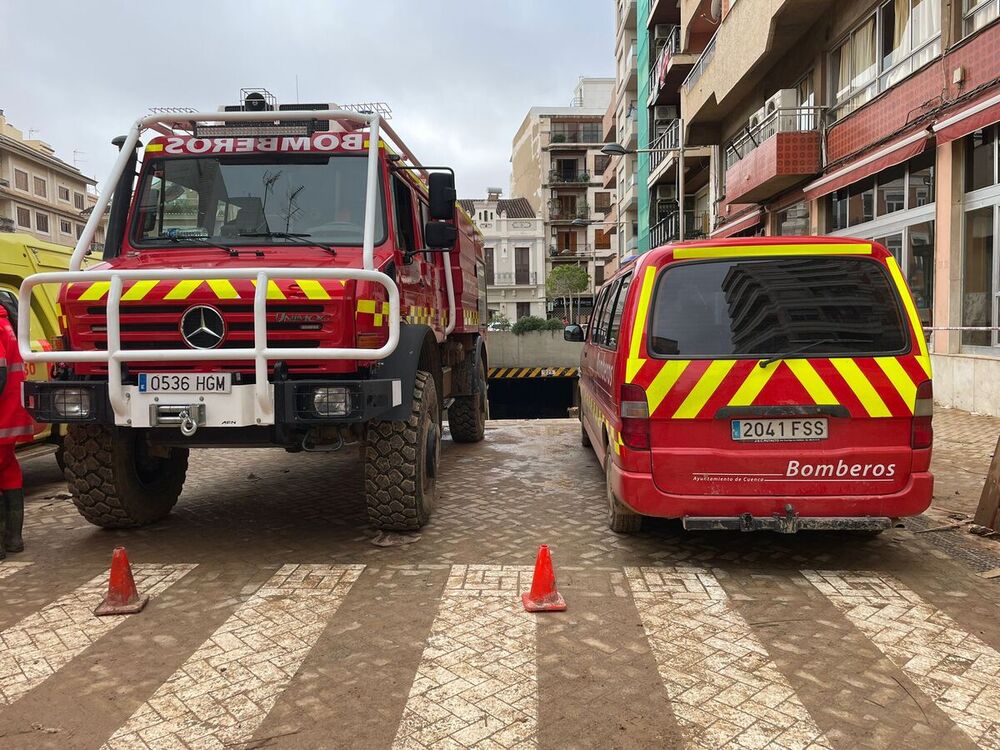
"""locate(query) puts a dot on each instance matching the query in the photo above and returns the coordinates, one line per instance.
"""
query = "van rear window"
(823, 306)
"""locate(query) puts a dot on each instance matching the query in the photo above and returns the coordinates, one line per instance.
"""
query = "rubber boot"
(14, 517)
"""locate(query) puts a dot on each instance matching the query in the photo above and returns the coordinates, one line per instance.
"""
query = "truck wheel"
(621, 520)
(467, 414)
(401, 463)
(115, 481)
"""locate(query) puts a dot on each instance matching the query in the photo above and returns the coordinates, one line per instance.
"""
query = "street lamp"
(616, 149)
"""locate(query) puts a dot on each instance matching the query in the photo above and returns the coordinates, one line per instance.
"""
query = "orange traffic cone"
(543, 596)
(122, 598)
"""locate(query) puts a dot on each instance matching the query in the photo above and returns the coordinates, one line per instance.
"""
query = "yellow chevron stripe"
(672, 369)
(811, 381)
(312, 289)
(911, 312)
(535, 372)
(223, 289)
(704, 389)
(741, 251)
(898, 377)
(138, 290)
(753, 384)
(95, 291)
(634, 363)
(273, 292)
(862, 388)
(183, 290)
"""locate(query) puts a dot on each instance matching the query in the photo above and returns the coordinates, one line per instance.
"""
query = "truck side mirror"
(439, 235)
(442, 196)
(573, 333)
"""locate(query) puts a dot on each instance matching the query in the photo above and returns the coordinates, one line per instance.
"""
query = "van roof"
(738, 247)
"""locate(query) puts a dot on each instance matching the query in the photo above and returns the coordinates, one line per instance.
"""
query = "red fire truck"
(273, 275)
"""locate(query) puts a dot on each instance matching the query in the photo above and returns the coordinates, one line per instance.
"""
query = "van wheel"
(467, 414)
(621, 520)
(401, 461)
(584, 437)
(116, 480)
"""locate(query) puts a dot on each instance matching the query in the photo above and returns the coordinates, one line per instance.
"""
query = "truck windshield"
(805, 306)
(242, 200)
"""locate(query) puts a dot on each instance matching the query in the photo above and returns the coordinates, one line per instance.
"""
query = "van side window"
(595, 315)
(402, 199)
(618, 310)
(605, 322)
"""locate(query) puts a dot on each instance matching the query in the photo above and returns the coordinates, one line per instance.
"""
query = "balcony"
(663, 11)
(516, 278)
(751, 40)
(581, 251)
(566, 178)
(664, 155)
(629, 69)
(670, 68)
(575, 136)
(625, 16)
(696, 226)
(564, 212)
(774, 154)
(628, 130)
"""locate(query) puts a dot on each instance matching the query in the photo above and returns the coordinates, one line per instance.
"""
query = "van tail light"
(635, 418)
(923, 411)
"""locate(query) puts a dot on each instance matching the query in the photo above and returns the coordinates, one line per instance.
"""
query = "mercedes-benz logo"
(203, 327)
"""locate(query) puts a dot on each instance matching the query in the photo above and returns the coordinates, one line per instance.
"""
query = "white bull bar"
(261, 354)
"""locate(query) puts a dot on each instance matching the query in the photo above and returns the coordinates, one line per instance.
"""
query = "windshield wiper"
(197, 242)
(299, 238)
(806, 347)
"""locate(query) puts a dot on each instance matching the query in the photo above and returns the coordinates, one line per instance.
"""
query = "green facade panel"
(643, 63)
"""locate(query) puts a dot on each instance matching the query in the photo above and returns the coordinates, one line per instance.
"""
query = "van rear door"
(776, 373)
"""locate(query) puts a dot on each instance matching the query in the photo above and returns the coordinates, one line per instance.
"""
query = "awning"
(974, 117)
(738, 224)
(888, 156)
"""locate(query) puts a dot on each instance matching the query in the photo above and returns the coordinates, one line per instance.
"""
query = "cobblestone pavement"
(275, 621)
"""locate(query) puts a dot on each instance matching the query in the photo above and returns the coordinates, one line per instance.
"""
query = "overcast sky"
(459, 76)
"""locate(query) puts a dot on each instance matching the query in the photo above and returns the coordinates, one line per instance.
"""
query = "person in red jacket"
(15, 427)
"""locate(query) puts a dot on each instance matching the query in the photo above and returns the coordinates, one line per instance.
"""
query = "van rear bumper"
(640, 493)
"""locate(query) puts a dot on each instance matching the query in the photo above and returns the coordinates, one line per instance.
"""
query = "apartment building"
(41, 194)
(876, 120)
(557, 165)
(515, 250)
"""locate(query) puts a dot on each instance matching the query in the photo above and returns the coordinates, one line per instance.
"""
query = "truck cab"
(284, 276)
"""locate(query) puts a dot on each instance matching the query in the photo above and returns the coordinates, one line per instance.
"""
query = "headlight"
(331, 402)
(71, 403)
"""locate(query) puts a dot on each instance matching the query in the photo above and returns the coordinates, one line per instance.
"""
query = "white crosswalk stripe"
(959, 672)
(476, 685)
(10, 567)
(724, 689)
(38, 646)
(224, 691)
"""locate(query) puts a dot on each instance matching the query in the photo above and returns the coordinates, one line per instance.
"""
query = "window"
(490, 266)
(63, 193)
(904, 187)
(603, 316)
(40, 187)
(523, 310)
(522, 265)
(838, 210)
(23, 217)
(598, 274)
(602, 240)
(919, 267)
(978, 13)
(978, 299)
(78, 200)
(21, 180)
(42, 222)
(900, 37)
(402, 198)
(980, 159)
(794, 220)
(861, 202)
(602, 298)
(602, 202)
(79, 231)
(65, 227)
(754, 308)
(616, 317)
(601, 162)
(891, 191)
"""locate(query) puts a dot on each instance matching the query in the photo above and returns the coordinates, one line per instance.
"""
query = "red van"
(777, 383)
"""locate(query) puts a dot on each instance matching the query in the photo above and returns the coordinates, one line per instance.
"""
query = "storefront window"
(861, 202)
(919, 268)
(921, 180)
(891, 192)
(977, 292)
(838, 210)
(904, 187)
(794, 220)
(980, 159)
(894, 244)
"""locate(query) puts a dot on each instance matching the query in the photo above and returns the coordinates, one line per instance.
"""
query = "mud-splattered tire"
(621, 520)
(401, 463)
(467, 414)
(115, 482)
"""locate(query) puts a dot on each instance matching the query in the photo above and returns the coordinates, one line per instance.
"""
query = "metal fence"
(516, 278)
(791, 120)
(667, 141)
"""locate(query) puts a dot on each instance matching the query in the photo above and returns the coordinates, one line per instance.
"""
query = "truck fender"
(463, 376)
(403, 364)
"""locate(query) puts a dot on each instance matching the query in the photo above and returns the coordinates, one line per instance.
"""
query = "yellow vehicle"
(22, 255)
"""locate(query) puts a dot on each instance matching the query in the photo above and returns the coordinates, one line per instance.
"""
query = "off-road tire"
(467, 414)
(400, 483)
(621, 520)
(114, 482)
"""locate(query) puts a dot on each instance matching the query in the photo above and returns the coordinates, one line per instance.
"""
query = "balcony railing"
(667, 230)
(557, 176)
(582, 250)
(517, 278)
(668, 50)
(579, 134)
(702, 64)
(667, 141)
(795, 120)
(559, 212)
